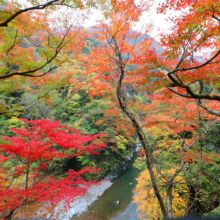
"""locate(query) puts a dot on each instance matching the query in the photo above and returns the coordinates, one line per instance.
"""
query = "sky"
(158, 20)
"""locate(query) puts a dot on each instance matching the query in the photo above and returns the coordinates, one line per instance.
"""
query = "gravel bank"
(81, 204)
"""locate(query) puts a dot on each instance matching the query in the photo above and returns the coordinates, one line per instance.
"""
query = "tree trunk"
(10, 215)
(169, 202)
(143, 141)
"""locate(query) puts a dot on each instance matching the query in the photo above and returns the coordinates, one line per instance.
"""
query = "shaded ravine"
(105, 208)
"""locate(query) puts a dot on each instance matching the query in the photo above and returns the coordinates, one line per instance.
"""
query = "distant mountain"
(159, 49)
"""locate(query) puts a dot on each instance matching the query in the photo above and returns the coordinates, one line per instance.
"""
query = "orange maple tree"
(127, 61)
(117, 60)
(193, 50)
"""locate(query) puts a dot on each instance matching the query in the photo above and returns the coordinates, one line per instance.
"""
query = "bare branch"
(213, 112)
(194, 67)
(37, 7)
(215, 17)
(27, 108)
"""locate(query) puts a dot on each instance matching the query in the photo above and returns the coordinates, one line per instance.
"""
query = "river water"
(105, 208)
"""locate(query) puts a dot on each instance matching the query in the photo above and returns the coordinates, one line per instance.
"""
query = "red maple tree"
(35, 152)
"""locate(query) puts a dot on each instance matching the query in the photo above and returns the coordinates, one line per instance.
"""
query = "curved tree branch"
(213, 112)
(193, 67)
(37, 7)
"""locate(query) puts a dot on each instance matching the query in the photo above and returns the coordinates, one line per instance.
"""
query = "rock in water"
(115, 204)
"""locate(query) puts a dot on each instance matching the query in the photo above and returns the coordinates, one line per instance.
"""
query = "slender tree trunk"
(10, 215)
(169, 202)
(142, 139)
(27, 175)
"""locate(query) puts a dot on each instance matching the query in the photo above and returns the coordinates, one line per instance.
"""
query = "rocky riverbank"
(81, 204)
(120, 167)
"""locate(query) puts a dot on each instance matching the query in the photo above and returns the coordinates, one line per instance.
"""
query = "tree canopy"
(80, 98)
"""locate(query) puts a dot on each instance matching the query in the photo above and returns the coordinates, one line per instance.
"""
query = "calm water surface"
(121, 190)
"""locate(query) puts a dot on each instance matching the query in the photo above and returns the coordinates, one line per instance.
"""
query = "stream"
(105, 208)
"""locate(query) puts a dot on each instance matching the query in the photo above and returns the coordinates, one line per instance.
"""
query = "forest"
(76, 101)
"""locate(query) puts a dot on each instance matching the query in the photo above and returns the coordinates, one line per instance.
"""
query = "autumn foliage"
(35, 152)
(114, 79)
